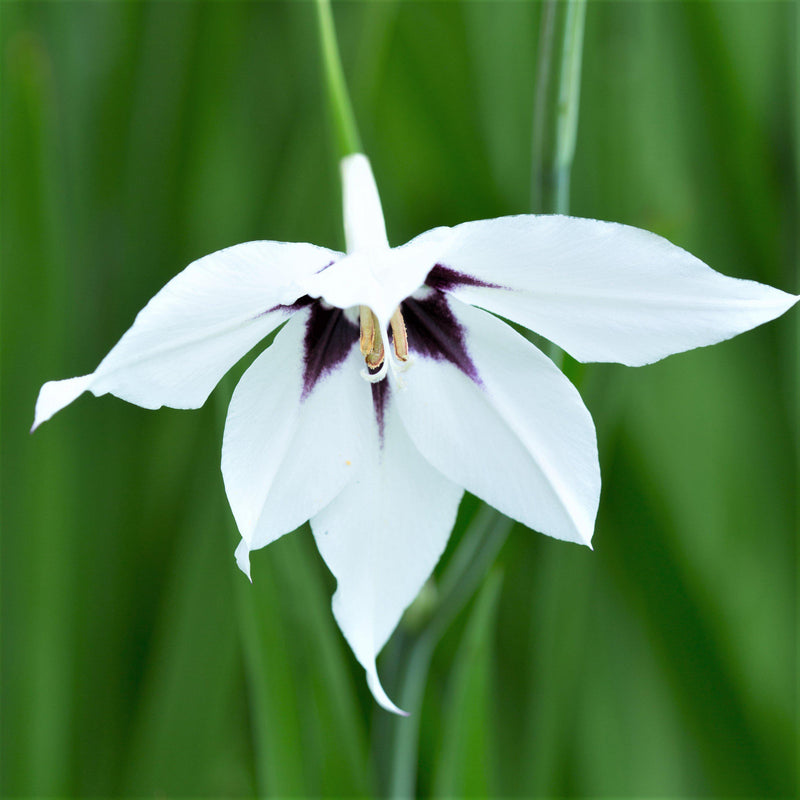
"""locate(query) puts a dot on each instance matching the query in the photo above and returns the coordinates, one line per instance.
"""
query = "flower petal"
(372, 274)
(200, 324)
(294, 435)
(505, 424)
(381, 538)
(600, 290)
(364, 226)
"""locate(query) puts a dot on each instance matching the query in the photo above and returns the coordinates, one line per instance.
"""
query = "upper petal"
(364, 226)
(297, 426)
(200, 324)
(381, 538)
(496, 416)
(601, 290)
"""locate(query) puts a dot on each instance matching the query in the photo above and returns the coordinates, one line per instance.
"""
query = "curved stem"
(344, 121)
(475, 554)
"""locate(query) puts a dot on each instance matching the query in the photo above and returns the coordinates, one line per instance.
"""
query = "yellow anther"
(399, 336)
(367, 319)
(371, 341)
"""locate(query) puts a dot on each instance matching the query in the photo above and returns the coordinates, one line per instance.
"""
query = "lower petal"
(289, 449)
(503, 422)
(381, 538)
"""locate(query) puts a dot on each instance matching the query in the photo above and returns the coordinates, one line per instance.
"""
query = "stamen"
(371, 341)
(399, 335)
(367, 329)
(371, 344)
(371, 375)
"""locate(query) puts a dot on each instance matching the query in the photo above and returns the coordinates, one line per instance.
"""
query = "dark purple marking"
(301, 302)
(445, 279)
(433, 331)
(329, 338)
(380, 400)
(322, 269)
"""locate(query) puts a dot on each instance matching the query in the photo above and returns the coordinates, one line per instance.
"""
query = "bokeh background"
(138, 661)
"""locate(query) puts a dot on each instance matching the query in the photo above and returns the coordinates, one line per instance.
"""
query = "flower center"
(371, 340)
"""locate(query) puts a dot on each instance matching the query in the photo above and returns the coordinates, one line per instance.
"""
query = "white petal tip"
(354, 161)
(55, 395)
(585, 538)
(380, 696)
(363, 218)
(585, 533)
(242, 556)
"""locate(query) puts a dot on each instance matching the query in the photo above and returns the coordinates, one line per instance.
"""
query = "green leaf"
(462, 768)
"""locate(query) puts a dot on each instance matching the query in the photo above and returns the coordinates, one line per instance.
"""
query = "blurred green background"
(137, 660)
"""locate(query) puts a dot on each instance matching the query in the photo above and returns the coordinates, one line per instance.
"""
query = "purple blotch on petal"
(380, 400)
(301, 302)
(445, 279)
(433, 331)
(329, 338)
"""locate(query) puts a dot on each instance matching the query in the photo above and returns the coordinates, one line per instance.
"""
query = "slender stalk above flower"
(344, 120)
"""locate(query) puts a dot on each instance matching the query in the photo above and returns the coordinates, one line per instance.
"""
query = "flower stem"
(569, 93)
(542, 182)
(344, 121)
(556, 102)
(476, 552)
(555, 111)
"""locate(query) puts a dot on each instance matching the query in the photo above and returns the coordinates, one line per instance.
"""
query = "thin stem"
(556, 103)
(344, 121)
(568, 100)
(541, 168)
(470, 563)
(254, 670)
(555, 108)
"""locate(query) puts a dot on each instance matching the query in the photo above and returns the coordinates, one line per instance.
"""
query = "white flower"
(453, 399)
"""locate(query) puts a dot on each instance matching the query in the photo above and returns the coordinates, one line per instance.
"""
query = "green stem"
(555, 109)
(344, 121)
(568, 100)
(254, 671)
(542, 200)
(556, 102)
(475, 554)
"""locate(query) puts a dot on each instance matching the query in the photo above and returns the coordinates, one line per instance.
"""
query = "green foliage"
(136, 660)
